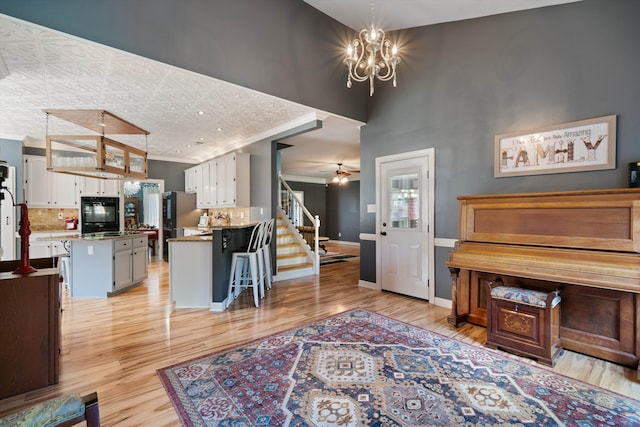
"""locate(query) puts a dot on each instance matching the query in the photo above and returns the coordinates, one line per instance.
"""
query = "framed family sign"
(582, 145)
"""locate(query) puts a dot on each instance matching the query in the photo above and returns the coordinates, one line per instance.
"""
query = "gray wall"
(343, 211)
(462, 83)
(315, 200)
(284, 48)
(337, 206)
(171, 172)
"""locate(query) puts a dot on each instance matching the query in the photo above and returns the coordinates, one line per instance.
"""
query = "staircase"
(292, 258)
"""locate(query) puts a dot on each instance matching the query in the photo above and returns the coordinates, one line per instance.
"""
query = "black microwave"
(99, 214)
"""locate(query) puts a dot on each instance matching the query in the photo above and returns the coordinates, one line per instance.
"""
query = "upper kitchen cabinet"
(232, 180)
(191, 179)
(96, 187)
(46, 189)
(206, 185)
(223, 182)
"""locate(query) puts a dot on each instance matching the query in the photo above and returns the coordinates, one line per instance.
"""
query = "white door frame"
(429, 155)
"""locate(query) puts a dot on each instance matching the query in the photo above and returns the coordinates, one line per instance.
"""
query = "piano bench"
(524, 322)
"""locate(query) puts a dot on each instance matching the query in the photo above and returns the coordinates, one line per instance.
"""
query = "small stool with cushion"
(57, 412)
(524, 321)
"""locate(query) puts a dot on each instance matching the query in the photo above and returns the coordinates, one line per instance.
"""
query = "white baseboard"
(444, 243)
(218, 306)
(344, 242)
(441, 302)
(368, 285)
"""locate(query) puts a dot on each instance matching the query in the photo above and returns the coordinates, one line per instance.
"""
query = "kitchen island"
(106, 264)
(199, 266)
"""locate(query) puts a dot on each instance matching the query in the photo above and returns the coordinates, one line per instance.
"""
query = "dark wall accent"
(171, 172)
(315, 199)
(368, 261)
(284, 48)
(337, 206)
(464, 82)
(343, 211)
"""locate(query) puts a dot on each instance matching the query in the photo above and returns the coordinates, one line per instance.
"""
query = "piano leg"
(459, 298)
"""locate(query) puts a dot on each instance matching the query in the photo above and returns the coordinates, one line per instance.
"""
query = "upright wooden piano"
(585, 242)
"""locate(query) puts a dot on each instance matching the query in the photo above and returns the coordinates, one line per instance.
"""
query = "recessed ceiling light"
(201, 139)
(201, 112)
(188, 145)
(219, 129)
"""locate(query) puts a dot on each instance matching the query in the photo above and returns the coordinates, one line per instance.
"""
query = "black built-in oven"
(99, 214)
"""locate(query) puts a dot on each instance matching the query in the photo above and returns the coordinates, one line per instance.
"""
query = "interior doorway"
(405, 206)
(142, 209)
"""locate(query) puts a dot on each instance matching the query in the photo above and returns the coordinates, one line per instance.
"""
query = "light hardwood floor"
(114, 346)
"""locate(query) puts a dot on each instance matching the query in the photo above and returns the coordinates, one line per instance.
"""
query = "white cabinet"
(139, 258)
(191, 180)
(206, 194)
(122, 263)
(225, 182)
(46, 245)
(233, 178)
(103, 267)
(99, 187)
(46, 189)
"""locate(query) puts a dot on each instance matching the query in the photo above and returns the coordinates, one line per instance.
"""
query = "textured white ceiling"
(45, 69)
(393, 15)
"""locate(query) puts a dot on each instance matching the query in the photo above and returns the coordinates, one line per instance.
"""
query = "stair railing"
(299, 216)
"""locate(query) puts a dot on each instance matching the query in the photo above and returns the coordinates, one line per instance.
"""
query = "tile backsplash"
(238, 216)
(44, 219)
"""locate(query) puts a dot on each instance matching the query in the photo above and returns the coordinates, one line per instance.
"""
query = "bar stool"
(266, 251)
(247, 268)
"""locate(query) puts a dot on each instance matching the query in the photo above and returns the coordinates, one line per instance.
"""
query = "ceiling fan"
(342, 174)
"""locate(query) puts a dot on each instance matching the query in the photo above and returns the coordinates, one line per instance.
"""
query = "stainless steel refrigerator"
(178, 211)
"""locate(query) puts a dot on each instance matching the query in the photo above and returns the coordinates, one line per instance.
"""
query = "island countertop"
(194, 238)
(96, 236)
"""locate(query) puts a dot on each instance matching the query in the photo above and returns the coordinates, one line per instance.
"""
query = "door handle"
(383, 233)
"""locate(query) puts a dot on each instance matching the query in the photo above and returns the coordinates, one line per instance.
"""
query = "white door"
(405, 254)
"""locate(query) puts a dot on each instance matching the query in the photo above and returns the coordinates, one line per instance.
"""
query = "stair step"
(288, 248)
(291, 255)
(294, 267)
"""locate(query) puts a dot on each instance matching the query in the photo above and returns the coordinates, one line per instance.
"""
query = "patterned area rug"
(333, 258)
(360, 368)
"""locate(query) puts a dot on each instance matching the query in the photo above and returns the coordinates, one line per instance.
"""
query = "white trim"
(442, 302)
(429, 154)
(368, 285)
(308, 179)
(345, 242)
(369, 236)
(219, 306)
(444, 243)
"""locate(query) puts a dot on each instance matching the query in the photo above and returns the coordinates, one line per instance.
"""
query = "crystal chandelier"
(371, 56)
(131, 188)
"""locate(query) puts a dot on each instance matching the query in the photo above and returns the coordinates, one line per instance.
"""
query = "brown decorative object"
(30, 333)
(95, 156)
(24, 232)
(587, 242)
(524, 329)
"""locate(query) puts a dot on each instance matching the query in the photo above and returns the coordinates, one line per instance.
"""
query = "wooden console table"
(585, 242)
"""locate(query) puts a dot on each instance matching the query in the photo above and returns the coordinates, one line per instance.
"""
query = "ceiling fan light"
(336, 179)
(343, 180)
